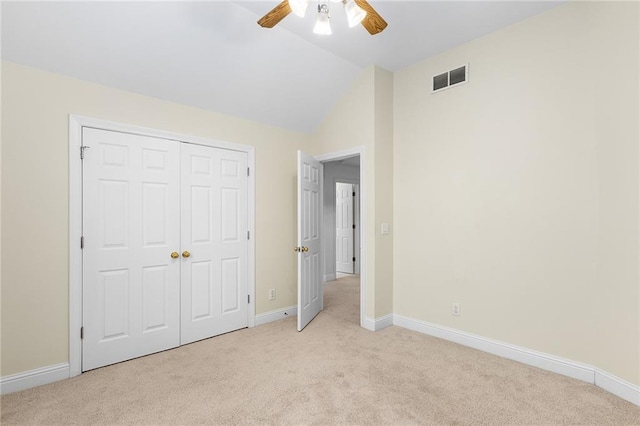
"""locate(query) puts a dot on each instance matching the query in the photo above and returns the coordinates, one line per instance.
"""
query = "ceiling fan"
(358, 12)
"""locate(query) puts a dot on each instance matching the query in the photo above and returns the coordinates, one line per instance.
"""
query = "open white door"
(309, 246)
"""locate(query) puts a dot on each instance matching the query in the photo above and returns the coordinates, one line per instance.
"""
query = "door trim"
(340, 155)
(76, 123)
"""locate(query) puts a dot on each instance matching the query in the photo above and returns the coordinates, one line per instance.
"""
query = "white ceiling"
(213, 55)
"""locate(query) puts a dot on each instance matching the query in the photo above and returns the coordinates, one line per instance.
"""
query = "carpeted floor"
(334, 372)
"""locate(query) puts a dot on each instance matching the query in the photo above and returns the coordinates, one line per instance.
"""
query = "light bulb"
(323, 26)
(299, 7)
(355, 14)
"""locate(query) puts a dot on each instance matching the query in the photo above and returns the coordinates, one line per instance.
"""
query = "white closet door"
(131, 284)
(214, 242)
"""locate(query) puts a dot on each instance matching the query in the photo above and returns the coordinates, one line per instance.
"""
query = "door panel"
(155, 286)
(130, 226)
(230, 205)
(214, 231)
(114, 286)
(231, 289)
(310, 174)
(154, 202)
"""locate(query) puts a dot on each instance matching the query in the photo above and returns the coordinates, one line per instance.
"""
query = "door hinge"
(248, 171)
(354, 194)
(82, 148)
(81, 242)
(354, 259)
(82, 332)
(248, 298)
(354, 226)
(248, 235)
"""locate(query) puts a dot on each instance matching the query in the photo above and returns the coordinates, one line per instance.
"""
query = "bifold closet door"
(214, 234)
(165, 244)
(131, 226)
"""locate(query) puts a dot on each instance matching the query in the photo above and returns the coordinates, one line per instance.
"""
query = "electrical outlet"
(272, 294)
(455, 309)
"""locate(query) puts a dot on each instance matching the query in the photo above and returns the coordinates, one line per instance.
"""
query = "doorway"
(345, 167)
(342, 217)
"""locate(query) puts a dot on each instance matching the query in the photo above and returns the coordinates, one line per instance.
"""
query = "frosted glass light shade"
(355, 14)
(299, 7)
(323, 26)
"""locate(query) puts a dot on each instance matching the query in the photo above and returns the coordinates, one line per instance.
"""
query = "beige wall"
(351, 124)
(517, 194)
(363, 118)
(383, 114)
(35, 197)
(615, 32)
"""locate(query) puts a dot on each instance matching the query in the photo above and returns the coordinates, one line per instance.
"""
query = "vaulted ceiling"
(213, 55)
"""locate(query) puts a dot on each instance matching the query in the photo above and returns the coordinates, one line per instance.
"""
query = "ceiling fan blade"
(276, 15)
(373, 22)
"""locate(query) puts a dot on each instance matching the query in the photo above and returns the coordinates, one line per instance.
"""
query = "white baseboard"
(33, 378)
(576, 370)
(617, 386)
(505, 350)
(369, 324)
(276, 315)
(378, 323)
(329, 277)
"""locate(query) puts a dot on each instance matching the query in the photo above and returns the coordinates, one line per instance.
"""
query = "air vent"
(455, 77)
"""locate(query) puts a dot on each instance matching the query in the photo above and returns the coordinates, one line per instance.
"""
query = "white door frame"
(340, 155)
(76, 123)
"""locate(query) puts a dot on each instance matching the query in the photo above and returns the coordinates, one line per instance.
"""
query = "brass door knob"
(186, 254)
(305, 249)
(297, 249)
(175, 255)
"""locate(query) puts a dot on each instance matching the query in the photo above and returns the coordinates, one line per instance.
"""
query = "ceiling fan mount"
(358, 12)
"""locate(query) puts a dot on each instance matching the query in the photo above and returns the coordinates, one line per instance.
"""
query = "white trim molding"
(612, 384)
(276, 315)
(369, 324)
(32, 378)
(566, 367)
(329, 277)
(378, 323)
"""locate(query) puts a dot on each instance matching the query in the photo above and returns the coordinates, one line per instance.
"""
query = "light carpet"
(334, 372)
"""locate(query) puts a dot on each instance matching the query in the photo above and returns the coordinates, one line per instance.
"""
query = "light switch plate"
(384, 228)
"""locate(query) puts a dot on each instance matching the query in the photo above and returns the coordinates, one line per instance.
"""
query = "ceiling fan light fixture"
(299, 7)
(323, 26)
(355, 14)
(356, 11)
